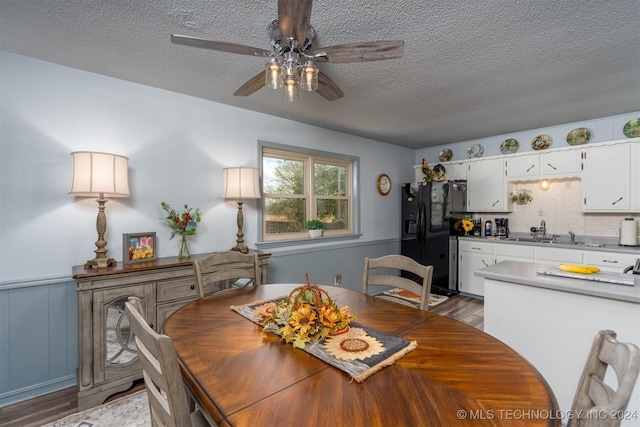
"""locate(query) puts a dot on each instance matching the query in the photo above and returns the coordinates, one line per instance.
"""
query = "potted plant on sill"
(315, 227)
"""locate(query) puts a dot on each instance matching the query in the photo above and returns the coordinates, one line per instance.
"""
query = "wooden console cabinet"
(107, 359)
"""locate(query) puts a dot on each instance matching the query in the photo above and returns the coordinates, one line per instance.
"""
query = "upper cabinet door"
(523, 167)
(561, 164)
(606, 185)
(487, 187)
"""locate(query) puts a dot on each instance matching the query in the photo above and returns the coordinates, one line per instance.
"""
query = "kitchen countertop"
(589, 244)
(522, 273)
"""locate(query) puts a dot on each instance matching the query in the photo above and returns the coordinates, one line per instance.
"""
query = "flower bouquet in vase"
(183, 224)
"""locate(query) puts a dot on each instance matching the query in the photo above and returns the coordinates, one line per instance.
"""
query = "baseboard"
(37, 390)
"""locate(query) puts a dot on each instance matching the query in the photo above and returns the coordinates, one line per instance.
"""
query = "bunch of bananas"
(584, 269)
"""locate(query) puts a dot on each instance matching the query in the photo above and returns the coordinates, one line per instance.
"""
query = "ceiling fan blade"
(327, 88)
(220, 46)
(361, 52)
(252, 86)
(294, 17)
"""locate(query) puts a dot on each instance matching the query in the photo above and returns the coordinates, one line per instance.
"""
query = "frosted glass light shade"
(241, 183)
(95, 174)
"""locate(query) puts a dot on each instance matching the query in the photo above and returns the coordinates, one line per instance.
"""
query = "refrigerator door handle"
(422, 223)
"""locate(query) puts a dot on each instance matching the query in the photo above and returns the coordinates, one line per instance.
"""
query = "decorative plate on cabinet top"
(541, 142)
(578, 136)
(509, 146)
(632, 128)
(445, 155)
(476, 150)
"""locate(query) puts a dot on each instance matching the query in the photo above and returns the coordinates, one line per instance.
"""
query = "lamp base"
(100, 263)
(242, 249)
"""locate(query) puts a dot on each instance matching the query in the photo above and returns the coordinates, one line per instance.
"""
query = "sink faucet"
(573, 237)
(543, 228)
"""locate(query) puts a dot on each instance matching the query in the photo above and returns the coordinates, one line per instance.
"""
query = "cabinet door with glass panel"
(301, 186)
(115, 354)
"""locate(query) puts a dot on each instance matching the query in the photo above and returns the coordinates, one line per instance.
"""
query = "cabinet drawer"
(520, 251)
(612, 261)
(477, 247)
(170, 290)
(558, 255)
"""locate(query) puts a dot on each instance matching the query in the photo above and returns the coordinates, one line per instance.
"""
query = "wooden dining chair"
(216, 271)
(163, 380)
(398, 263)
(596, 403)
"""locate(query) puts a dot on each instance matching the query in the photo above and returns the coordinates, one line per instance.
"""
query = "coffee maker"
(502, 227)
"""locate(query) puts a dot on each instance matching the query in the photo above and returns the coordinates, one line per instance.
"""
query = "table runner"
(359, 370)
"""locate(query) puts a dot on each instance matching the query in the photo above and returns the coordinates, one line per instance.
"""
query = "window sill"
(305, 241)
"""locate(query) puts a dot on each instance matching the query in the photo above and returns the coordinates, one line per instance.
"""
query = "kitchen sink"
(549, 241)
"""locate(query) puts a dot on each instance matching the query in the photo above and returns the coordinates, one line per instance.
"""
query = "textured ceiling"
(471, 68)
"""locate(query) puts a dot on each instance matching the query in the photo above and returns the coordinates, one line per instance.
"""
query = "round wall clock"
(384, 184)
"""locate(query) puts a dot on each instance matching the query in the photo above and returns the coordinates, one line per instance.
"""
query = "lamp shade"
(96, 174)
(241, 183)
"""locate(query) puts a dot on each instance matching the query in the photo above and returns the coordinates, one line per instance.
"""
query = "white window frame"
(309, 158)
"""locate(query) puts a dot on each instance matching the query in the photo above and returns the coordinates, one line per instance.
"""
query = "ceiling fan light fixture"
(309, 76)
(290, 83)
(273, 74)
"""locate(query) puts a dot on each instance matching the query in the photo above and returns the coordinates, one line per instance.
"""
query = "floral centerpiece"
(307, 314)
(183, 223)
(467, 225)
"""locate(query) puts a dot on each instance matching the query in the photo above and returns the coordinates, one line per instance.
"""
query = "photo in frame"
(138, 247)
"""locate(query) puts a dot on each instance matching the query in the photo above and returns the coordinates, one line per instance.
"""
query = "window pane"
(284, 215)
(330, 180)
(334, 213)
(281, 176)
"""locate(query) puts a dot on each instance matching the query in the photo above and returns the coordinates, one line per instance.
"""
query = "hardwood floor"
(464, 309)
(45, 409)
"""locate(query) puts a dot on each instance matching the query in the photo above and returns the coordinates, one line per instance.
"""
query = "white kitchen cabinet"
(487, 186)
(523, 168)
(555, 256)
(473, 255)
(548, 165)
(614, 262)
(455, 170)
(606, 183)
(508, 252)
(635, 176)
(561, 164)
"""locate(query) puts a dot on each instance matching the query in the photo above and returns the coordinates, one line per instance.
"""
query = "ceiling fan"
(291, 58)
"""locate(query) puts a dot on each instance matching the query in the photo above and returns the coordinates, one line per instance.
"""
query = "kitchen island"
(552, 321)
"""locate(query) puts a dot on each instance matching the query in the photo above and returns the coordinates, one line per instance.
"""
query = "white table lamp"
(99, 175)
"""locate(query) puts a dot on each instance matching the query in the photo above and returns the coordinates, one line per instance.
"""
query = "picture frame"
(138, 247)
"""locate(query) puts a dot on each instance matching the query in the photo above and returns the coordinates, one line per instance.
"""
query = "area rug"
(434, 299)
(128, 411)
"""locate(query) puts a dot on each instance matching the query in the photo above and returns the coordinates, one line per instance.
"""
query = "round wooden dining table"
(457, 375)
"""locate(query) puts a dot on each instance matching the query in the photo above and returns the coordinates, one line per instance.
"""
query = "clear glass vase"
(184, 249)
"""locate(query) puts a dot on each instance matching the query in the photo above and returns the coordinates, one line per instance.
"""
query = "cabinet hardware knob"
(552, 167)
(616, 201)
(193, 286)
(530, 167)
(151, 325)
(496, 202)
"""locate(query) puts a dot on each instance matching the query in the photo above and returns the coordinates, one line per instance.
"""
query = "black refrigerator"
(426, 212)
